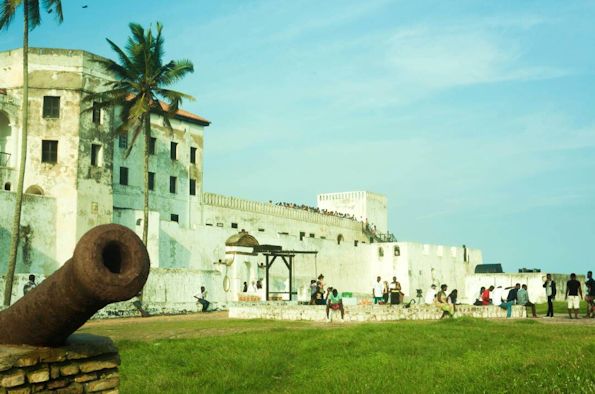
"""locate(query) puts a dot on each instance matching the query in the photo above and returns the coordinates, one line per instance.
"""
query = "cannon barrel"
(110, 263)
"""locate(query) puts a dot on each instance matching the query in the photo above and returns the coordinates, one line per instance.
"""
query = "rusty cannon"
(109, 264)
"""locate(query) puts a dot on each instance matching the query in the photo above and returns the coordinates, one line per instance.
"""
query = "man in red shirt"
(485, 296)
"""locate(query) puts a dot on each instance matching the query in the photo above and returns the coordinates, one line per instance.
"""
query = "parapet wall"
(362, 313)
(279, 211)
(87, 364)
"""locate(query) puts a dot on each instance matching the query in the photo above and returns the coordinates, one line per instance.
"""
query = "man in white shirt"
(431, 294)
(377, 290)
(202, 298)
(496, 296)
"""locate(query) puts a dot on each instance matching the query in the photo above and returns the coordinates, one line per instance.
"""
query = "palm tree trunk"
(146, 178)
(16, 224)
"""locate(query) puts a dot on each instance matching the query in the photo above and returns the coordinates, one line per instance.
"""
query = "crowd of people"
(316, 210)
(518, 295)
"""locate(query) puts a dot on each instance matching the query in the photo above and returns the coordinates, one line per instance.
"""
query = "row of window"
(49, 153)
(173, 182)
(51, 109)
(173, 147)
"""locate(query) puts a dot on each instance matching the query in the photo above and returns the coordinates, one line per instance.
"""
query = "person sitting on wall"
(430, 295)
(452, 299)
(510, 299)
(478, 299)
(377, 290)
(395, 292)
(29, 285)
(335, 302)
(522, 298)
(486, 296)
(202, 298)
(442, 302)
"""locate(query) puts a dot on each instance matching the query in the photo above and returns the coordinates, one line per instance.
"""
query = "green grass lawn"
(560, 308)
(461, 355)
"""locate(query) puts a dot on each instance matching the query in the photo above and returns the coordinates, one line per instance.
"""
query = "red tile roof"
(187, 115)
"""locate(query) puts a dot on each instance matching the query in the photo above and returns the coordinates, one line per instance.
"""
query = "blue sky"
(475, 118)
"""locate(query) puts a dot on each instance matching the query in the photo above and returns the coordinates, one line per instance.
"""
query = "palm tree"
(32, 19)
(139, 90)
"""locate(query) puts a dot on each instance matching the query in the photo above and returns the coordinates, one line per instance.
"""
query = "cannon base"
(87, 363)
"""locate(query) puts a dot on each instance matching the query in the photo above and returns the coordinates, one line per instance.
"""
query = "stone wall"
(363, 313)
(87, 364)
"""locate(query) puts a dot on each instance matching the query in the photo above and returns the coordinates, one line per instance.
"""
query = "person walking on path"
(590, 295)
(550, 291)
(574, 294)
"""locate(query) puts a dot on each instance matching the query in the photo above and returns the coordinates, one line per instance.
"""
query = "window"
(193, 187)
(397, 250)
(234, 225)
(96, 113)
(174, 218)
(123, 140)
(192, 155)
(302, 235)
(355, 243)
(123, 175)
(380, 252)
(172, 184)
(51, 106)
(174, 150)
(261, 230)
(7, 186)
(152, 143)
(49, 151)
(151, 180)
(96, 155)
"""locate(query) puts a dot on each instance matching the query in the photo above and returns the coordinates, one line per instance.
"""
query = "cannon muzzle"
(110, 263)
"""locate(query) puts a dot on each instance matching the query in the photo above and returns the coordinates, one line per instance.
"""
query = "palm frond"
(7, 11)
(34, 14)
(54, 6)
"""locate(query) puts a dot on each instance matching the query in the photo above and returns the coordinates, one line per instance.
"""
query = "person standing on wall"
(574, 294)
(377, 290)
(550, 291)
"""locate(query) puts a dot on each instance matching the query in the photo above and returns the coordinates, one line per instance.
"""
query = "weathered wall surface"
(37, 248)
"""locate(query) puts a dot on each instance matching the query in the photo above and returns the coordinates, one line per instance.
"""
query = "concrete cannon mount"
(283, 310)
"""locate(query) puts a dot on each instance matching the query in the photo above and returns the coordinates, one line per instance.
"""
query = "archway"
(7, 186)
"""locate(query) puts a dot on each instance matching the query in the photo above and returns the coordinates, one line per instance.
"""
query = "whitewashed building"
(77, 177)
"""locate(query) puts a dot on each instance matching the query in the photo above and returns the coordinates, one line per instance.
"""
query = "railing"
(4, 158)
(378, 237)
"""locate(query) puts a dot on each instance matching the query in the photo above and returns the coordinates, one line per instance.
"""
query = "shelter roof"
(241, 239)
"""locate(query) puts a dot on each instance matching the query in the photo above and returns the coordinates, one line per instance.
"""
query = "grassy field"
(209, 353)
